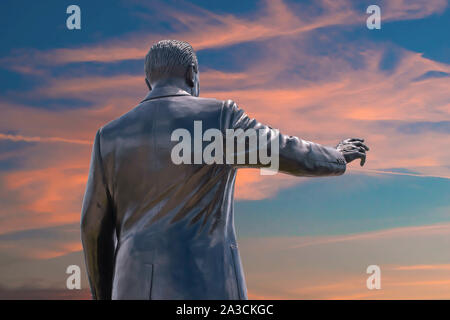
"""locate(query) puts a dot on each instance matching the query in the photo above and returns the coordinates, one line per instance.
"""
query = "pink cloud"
(343, 100)
(206, 29)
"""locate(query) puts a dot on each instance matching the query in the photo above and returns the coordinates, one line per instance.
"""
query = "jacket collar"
(166, 91)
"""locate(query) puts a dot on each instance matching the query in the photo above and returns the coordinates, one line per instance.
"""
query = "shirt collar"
(166, 91)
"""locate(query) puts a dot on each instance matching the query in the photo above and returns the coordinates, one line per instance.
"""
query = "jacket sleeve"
(294, 155)
(97, 228)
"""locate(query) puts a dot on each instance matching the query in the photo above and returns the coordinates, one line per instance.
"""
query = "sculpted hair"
(169, 58)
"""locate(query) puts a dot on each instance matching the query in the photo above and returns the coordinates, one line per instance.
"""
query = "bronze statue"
(156, 229)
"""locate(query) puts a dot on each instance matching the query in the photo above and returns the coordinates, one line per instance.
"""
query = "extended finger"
(350, 148)
(362, 156)
(355, 139)
(360, 144)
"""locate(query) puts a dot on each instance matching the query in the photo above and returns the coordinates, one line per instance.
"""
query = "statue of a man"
(155, 228)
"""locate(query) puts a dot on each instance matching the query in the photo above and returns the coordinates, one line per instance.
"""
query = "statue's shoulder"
(207, 100)
(207, 104)
(224, 104)
(117, 122)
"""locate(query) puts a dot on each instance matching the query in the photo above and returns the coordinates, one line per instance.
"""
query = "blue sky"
(311, 69)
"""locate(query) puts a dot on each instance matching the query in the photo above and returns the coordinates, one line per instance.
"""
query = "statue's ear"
(190, 75)
(148, 84)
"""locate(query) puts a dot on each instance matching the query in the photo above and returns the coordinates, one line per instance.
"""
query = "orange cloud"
(423, 267)
(42, 139)
(48, 191)
(341, 101)
(54, 250)
(426, 230)
(393, 97)
(205, 29)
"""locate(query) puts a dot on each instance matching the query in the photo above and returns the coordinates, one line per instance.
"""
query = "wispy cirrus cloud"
(355, 97)
(14, 137)
(205, 29)
(298, 77)
(423, 267)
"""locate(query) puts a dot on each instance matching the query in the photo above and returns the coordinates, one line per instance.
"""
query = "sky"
(309, 68)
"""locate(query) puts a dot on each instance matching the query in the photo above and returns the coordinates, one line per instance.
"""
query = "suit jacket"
(152, 229)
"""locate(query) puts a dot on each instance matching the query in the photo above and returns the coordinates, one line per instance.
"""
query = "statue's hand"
(352, 149)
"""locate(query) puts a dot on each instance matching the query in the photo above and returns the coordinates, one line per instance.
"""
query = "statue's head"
(172, 61)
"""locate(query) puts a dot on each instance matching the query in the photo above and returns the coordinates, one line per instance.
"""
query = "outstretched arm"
(97, 228)
(296, 156)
